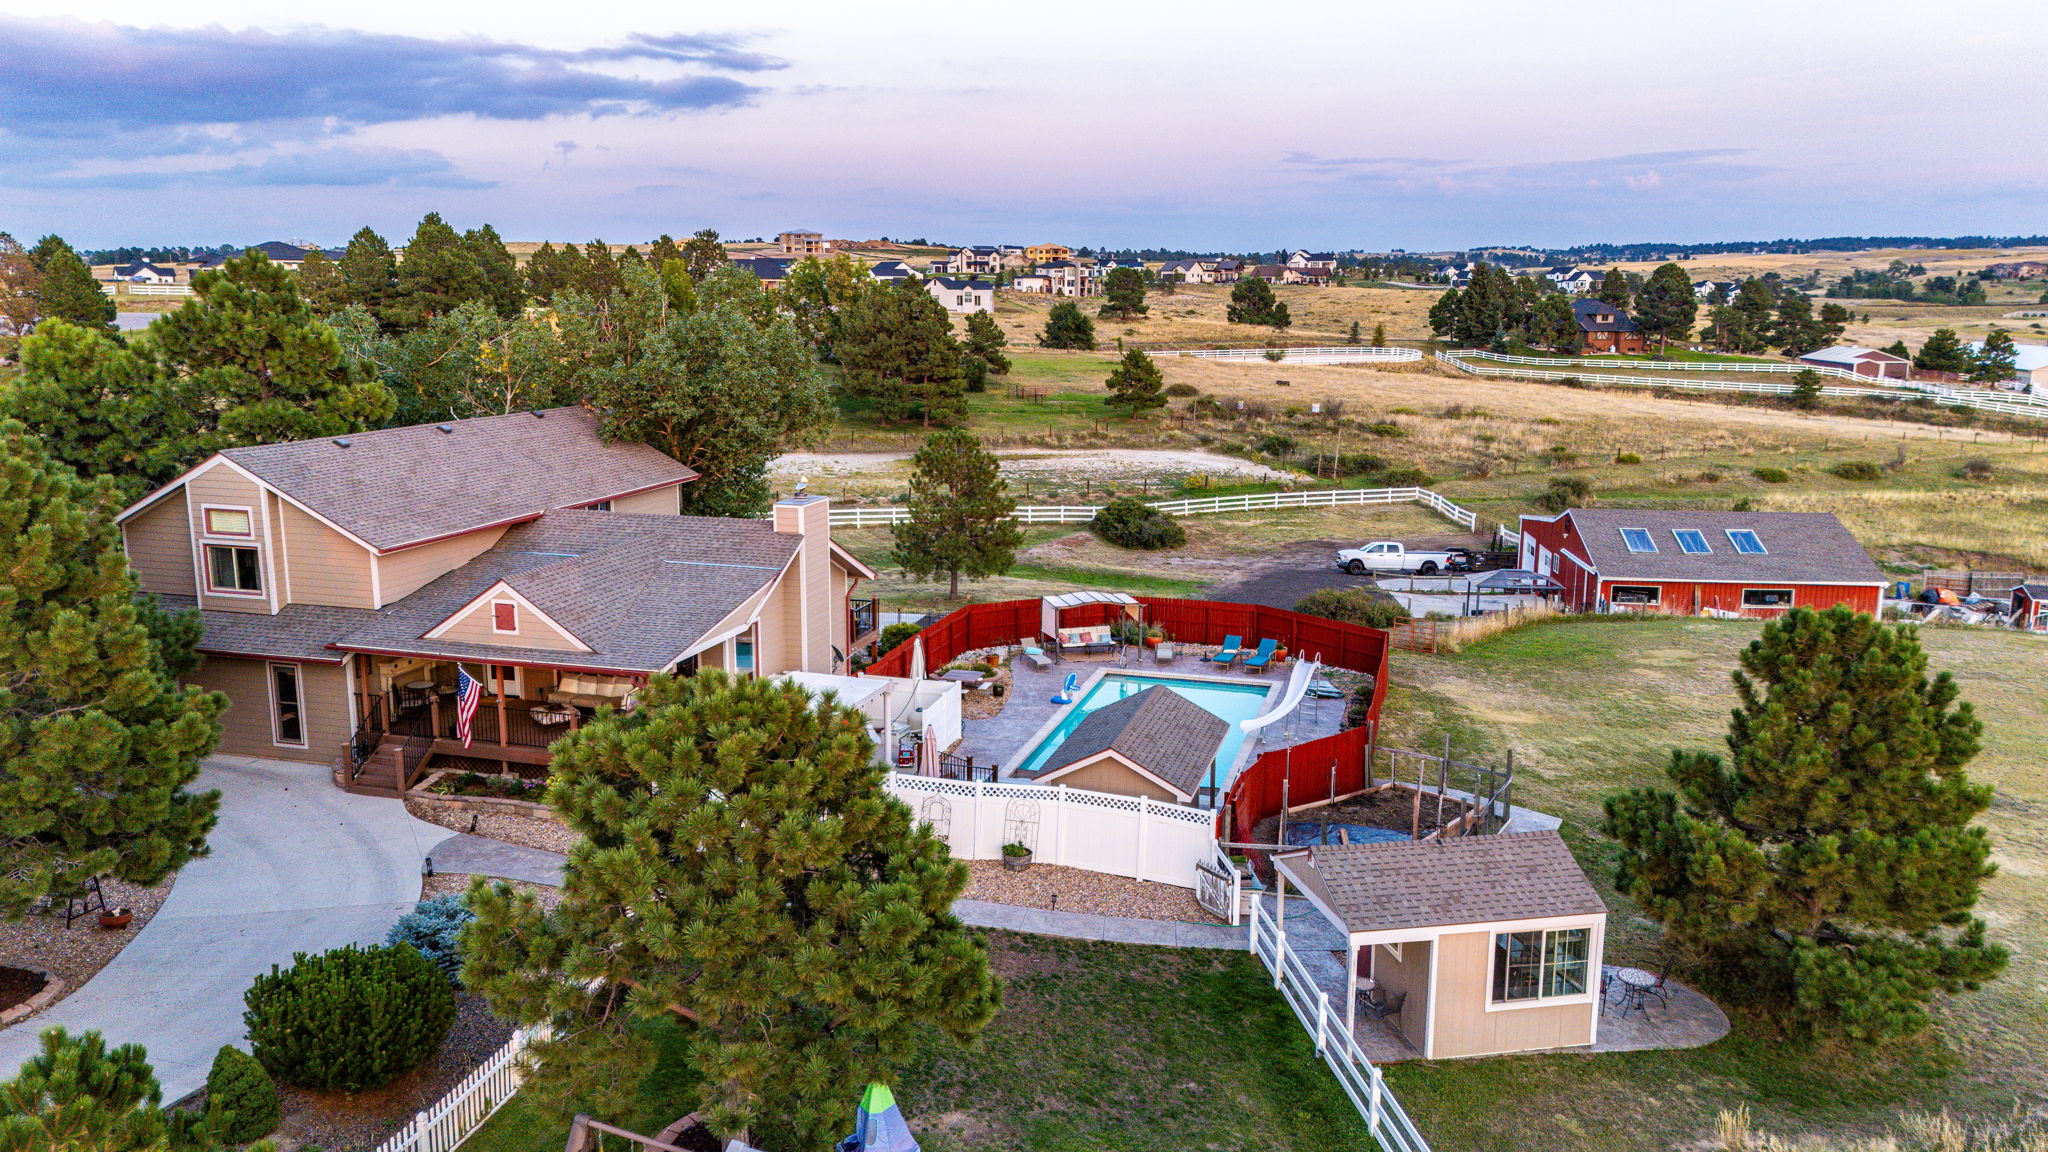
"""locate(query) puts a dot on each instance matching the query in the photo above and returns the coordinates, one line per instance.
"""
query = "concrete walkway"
(483, 856)
(297, 865)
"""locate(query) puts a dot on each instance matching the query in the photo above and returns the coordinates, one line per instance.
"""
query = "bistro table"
(1634, 982)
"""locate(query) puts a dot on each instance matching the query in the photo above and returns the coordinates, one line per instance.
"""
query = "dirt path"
(1040, 461)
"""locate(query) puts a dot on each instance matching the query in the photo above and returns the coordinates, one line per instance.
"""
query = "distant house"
(2017, 270)
(278, 252)
(1271, 273)
(1605, 328)
(1305, 274)
(1704, 290)
(143, 272)
(1067, 278)
(771, 271)
(962, 296)
(2029, 367)
(1302, 259)
(1030, 282)
(1491, 944)
(2030, 607)
(976, 260)
(1047, 253)
(1693, 562)
(801, 244)
(1862, 361)
(1577, 281)
(1157, 744)
(892, 271)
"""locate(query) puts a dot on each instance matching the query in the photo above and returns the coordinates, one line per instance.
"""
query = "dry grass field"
(1195, 312)
(1938, 261)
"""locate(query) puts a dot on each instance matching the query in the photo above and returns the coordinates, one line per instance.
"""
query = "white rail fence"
(1073, 827)
(1081, 513)
(124, 289)
(1338, 354)
(1761, 367)
(2006, 403)
(465, 1108)
(1359, 1077)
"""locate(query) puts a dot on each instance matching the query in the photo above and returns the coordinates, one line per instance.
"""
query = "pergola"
(1050, 607)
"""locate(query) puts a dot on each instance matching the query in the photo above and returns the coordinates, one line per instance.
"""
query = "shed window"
(1766, 597)
(1638, 540)
(1692, 541)
(228, 522)
(1636, 594)
(504, 616)
(1540, 965)
(1745, 541)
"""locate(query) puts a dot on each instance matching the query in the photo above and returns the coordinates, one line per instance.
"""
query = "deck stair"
(391, 767)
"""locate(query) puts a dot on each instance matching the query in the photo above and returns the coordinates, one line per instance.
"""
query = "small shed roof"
(1436, 883)
(1161, 731)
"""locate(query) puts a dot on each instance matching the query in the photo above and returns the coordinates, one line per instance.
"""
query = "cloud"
(327, 167)
(1637, 173)
(56, 76)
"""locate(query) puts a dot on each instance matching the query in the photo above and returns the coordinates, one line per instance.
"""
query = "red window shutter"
(505, 617)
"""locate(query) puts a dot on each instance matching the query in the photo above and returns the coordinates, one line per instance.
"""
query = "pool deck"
(1028, 705)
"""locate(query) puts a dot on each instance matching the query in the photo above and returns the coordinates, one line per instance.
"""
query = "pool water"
(1232, 702)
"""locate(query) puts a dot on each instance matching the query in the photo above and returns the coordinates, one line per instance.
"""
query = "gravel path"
(76, 954)
(546, 835)
(1054, 461)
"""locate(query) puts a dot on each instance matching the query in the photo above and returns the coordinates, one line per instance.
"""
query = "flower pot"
(1152, 641)
(117, 918)
(1017, 863)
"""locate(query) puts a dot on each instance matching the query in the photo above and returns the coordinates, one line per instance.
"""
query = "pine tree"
(1352, 337)
(1379, 335)
(321, 284)
(703, 254)
(1614, 288)
(1135, 383)
(1806, 386)
(959, 513)
(1443, 315)
(98, 741)
(1753, 304)
(897, 348)
(65, 289)
(241, 1098)
(1123, 294)
(504, 289)
(1252, 302)
(1553, 324)
(1796, 331)
(1066, 327)
(1898, 348)
(663, 250)
(1484, 308)
(77, 1095)
(813, 950)
(369, 274)
(985, 339)
(439, 273)
(1667, 307)
(101, 406)
(1829, 864)
(1943, 352)
(1993, 360)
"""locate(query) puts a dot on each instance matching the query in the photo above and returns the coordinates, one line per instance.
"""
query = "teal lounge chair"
(1233, 647)
(1263, 656)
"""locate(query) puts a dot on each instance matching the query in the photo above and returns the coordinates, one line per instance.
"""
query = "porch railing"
(865, 617)
(520, 730)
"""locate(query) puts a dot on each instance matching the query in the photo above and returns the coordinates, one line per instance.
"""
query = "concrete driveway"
(297, 866)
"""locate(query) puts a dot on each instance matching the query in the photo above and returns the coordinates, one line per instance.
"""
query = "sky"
(1121, 123)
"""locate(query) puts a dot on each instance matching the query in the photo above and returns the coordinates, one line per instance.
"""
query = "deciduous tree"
(959, 513)
(703, 254)
(19, 280)
(740, 872)
(1135, 383)
(1828, 864)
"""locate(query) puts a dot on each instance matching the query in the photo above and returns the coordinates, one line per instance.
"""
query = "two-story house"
(343, 583)
(1039, 254)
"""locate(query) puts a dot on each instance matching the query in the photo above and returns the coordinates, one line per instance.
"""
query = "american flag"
(468, 694)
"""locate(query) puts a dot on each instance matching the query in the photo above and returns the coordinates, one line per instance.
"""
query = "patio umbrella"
(879, 1126)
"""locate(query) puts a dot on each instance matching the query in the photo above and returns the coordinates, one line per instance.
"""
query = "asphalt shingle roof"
(298, 632)
(1465, 880)
(1799, 547)
(1161, 731)
(401, 486)
(1600, 316)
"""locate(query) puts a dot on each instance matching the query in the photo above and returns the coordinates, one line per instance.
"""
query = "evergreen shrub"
(1129, 523)
(349, 1019)
(241, 1098)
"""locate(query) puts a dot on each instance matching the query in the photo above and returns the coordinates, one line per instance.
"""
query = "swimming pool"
(1233, 701)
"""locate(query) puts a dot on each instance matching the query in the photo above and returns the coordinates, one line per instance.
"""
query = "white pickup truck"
(1390, 556)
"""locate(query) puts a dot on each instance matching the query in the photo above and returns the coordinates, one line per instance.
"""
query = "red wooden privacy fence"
(1305, 774)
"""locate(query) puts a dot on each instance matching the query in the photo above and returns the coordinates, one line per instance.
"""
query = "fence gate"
(1216, 891)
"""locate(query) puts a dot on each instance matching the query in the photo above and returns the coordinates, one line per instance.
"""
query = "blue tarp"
(1301, 835)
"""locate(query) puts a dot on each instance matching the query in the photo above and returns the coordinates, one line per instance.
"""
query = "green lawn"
(1594, 705)
(1098, 1046)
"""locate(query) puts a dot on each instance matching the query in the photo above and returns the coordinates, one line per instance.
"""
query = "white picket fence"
(1073, 827)
(1339, 354)
(465, 1108)
(1081, 513)
(1359, 1077)
(2006, 403)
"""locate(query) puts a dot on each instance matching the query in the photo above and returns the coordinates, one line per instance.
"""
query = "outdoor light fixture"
(427, 867)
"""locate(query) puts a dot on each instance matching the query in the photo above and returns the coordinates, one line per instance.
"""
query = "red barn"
(1742, 563)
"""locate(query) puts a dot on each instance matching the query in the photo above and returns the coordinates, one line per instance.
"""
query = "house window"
(504, 616)
(1766, 597)
(234, 571)
(1745, 541)
(600, 506)
(287, 720)
(1638, 540)
(1540, 965)
(743, 655)
(228, 522)
(1636, 594)
(1692, 541)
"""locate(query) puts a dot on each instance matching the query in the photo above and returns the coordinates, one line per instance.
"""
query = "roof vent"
(539, 415)
(445, 428)
(341, 441)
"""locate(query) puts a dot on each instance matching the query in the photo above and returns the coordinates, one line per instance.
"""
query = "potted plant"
(1153, 636)
(114, 918)
(1016, 857)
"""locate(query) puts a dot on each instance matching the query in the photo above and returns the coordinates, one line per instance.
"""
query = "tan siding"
(1463, 1025)
(246, 725)
(659, 501)
(223, 485)
(159, 545)
(1107, 775)
(402, 573)
(1409, 974)
(474, 627)
(324, 566)
(843, 583)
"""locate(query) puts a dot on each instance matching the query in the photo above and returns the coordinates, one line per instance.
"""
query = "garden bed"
(1388, 807)
(19, 985)
(71, 956)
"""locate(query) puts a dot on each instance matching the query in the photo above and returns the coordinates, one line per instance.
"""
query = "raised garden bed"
(1387, 808)
(17, 985)
(473, 792)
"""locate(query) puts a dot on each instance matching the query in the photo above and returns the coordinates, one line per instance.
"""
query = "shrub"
(1627, 458)
(1275, 354)
(1369, 607)
(1976, 468)
(1128, 523)
(1406, 478)
(1571, 382)
(1857, 470)
(1565, 492)
(1182, 389)
(974, 371)
(1392, 431)
(432, 927)
(241, 1098)
(1275, 444)
(1771, 475)
(1359, 463)
(893, 635)
(1206, 406)
(350, 1019)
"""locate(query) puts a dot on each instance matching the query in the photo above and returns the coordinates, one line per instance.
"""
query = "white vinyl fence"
(1081, 513)
(465, 1108)
(1359, 1077)
(2006, 403)
(1760, 367)
(146, 289)
(1073, 827)
(1340, 354)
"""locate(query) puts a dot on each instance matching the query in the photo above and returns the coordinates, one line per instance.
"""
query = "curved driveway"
(297, 866)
